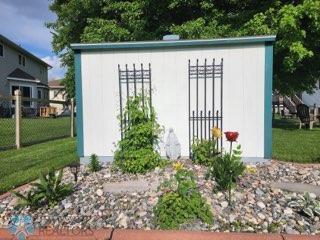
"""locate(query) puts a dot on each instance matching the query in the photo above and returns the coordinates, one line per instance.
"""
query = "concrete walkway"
(297, 187)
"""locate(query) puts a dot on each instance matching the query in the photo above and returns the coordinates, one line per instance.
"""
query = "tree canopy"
(296, 24)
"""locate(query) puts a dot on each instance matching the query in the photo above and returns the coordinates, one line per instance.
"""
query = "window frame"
(1, 44)
(22, 60)
(20, 86)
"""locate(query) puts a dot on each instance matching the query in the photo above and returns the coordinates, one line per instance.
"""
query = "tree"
(296, 23)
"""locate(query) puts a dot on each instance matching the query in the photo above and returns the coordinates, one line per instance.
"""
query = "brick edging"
(126, 234)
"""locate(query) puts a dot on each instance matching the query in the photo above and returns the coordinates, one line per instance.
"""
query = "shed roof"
(173, 44)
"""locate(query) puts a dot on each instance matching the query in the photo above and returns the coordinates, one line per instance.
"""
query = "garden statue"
(173, 148)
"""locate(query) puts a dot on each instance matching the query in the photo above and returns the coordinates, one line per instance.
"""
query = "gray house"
(20, 69)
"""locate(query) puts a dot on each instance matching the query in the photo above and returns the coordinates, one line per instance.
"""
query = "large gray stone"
(139, 185)
(297, 187)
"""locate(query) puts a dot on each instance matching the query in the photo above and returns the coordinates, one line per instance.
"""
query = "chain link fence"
(7, 124)
(40, 120)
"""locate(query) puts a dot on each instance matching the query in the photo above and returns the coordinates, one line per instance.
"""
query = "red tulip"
(231, 136)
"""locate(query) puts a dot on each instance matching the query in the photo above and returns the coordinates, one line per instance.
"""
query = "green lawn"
(293, 144)
(26, 164)
(33, 130)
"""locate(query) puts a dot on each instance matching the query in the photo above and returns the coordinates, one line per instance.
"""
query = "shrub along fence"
(26, 121)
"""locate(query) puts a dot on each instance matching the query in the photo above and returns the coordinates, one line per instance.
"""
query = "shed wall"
(243, 94)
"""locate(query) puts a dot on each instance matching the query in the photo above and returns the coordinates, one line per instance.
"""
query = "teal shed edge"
(79, 102)
(268, 100)
(172, 44)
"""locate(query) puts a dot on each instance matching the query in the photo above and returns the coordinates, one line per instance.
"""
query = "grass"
(26, 164)
(33, 130)
(293, 144)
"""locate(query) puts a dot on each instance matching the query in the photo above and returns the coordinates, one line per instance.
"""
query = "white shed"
(190, 79)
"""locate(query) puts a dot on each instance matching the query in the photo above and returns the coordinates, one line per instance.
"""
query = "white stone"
(261, 205)
(224, 204)
(68, 205)
(261, 216)
(288, 212)
(107, 175)
(312, 195)
(99, 192)
(122, 220)
(142, 213)
(232, 217)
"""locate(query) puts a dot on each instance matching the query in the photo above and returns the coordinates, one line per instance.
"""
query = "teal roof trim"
(173, 44)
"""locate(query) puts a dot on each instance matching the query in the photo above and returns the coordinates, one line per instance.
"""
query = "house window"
(26, 92)
(39, 94)
(22, 60)
(1, 50)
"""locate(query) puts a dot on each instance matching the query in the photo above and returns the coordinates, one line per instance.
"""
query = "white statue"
(173, 148)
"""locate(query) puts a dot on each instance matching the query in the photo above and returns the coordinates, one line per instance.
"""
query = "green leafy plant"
(48, 191)
(94, 164)
(204, 152)
(181, 202)
(30, 199)
(305, 205)
(226, 169)
(136, 151)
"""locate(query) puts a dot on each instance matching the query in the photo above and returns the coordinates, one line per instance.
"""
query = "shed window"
(1, 50)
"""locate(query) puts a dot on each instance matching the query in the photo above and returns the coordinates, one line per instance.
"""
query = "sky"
(23, 22)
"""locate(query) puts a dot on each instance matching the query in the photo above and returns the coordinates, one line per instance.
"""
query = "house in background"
(312, 99)
(20, 69)
(57, 92)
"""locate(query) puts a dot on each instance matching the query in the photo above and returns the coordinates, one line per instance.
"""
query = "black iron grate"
(131, 83)
(206, 77)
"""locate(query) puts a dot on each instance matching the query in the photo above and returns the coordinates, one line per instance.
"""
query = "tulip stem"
(230, 148)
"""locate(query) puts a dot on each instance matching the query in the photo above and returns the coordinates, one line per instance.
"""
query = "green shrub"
(226, 169)
(48, 191)
(204, 152)
(135, 152)
(181, 202)
(94, 164)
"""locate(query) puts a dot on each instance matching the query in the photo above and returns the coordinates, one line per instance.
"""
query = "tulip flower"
(231, 137)
(216, 132)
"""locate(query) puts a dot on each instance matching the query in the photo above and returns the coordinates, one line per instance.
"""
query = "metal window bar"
(206, 117)
(127, 78)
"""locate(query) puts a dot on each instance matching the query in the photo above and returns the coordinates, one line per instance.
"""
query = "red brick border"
(125, 234)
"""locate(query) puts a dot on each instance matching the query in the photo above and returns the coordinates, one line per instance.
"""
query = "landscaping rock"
(109, 198)
(261, 205)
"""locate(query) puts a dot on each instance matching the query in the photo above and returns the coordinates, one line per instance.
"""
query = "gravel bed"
(257, 207)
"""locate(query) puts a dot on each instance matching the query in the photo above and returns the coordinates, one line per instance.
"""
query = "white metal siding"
(243, 101)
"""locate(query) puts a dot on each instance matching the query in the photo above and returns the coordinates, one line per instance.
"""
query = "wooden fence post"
(17, 94)
(72, 118)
